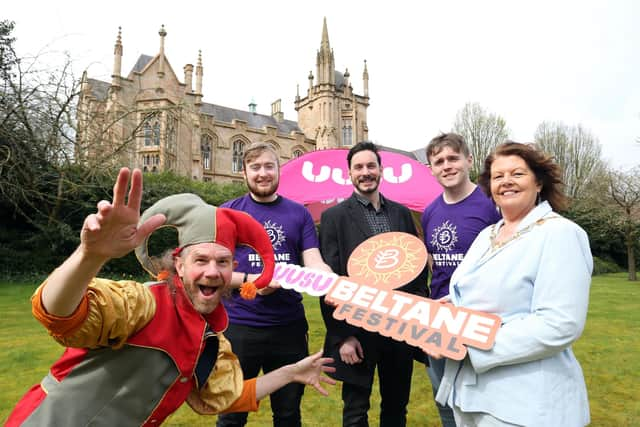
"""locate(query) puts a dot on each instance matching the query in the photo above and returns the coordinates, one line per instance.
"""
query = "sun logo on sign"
(275, 232)
(444, 237)
(388, 260)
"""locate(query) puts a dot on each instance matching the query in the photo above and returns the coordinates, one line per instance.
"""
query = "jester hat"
(199, 222)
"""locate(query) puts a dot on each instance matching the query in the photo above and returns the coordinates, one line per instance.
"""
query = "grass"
(609, 352)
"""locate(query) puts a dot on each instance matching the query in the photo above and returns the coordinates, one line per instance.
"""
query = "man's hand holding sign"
(367, 298)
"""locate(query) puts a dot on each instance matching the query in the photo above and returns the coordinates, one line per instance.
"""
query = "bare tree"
(624, 190)
(36, 131)
(43, 161)
(482, 130)
(576, 150)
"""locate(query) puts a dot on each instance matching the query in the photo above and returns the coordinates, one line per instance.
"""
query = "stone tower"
(151, 120)
(331, 114)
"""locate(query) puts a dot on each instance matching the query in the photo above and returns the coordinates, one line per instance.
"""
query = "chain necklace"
(493, 238)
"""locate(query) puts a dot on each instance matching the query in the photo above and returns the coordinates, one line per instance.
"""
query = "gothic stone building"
(152, 120)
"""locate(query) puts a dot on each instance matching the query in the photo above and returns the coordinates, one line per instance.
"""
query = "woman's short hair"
(548, 173)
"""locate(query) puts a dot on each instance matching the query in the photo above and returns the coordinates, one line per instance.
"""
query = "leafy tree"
(482, 130)
(576, 150)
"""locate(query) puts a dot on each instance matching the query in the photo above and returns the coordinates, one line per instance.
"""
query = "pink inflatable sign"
(320, 179)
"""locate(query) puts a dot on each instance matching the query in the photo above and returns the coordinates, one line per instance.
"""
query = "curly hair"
(548, 173)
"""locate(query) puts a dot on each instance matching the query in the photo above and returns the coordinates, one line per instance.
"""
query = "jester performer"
(136, 352)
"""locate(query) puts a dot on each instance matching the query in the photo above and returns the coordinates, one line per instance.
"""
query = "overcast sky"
(571, 61)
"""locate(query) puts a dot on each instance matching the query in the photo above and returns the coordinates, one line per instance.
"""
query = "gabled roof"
(253, 120)
(99, 89)
(142, 62)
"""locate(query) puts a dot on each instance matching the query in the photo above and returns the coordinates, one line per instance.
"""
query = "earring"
(538, 199)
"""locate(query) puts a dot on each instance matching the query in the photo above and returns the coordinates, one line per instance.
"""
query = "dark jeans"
(395, 366)
(268, 349)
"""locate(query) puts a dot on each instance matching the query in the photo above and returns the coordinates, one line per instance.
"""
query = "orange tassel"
(163, 275)
(248, 290)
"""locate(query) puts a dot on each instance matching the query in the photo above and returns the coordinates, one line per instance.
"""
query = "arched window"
(238, 151)
(297, 153)
(205, 148)
(156, 133)
(147, 134)
(347, 134)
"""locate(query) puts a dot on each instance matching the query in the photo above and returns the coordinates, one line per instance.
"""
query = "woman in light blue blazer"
(533, 269)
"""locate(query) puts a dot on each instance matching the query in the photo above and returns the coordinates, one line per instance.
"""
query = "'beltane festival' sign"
(367, 298)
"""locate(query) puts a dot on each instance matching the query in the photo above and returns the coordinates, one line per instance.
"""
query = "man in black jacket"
(356, 351)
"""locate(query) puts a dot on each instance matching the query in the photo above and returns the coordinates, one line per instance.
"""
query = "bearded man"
(358, 352)
(270, 331)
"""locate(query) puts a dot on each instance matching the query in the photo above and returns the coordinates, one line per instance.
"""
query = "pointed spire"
(117, 59)
(324, 60)
(162, 34)
(365, 79)
(118, 47)
(324, 44)
(199, 72)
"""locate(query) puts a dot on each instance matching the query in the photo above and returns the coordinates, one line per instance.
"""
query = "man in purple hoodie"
(450, 224)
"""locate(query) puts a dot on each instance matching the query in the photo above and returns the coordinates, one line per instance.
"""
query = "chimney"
(276, 112)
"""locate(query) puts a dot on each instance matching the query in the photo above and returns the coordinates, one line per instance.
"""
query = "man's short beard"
(263, 193)
(368, 191)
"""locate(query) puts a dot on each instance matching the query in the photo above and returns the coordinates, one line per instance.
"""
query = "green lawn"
(609, 352)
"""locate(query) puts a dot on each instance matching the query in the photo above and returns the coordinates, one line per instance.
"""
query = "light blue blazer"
(538, 283)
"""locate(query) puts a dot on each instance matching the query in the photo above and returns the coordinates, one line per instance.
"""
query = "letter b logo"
(386, 259)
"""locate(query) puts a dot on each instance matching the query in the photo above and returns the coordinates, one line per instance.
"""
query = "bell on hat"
(200, 222)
